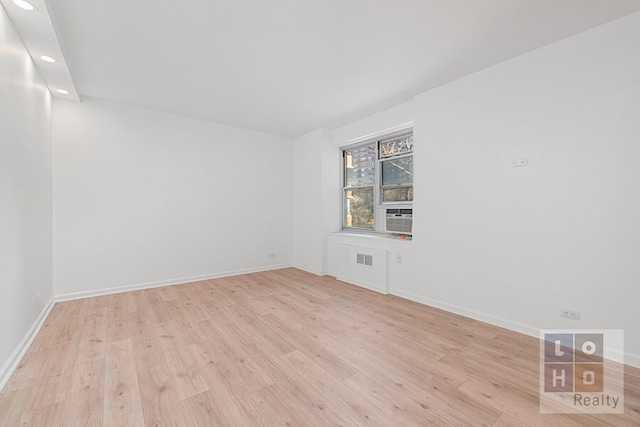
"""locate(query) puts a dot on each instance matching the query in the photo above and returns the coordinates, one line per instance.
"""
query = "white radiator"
(363, 266)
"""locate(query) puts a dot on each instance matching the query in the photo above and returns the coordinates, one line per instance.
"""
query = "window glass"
(397, 171)
(360, 166)
(397, 194)
(359, 207)
(396, 146)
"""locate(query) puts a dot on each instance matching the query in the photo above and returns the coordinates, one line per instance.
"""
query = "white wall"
(520, 243)
(25, 195)
(514, 245)
(145, 198)
(316, 195)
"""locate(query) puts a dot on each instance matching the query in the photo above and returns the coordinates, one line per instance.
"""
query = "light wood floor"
(278, 348)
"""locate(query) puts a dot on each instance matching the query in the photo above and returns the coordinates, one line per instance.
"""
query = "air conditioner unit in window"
(399, 221)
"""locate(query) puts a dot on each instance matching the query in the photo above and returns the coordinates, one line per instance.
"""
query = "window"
(378, 174)
(396, 164)
(359, 184)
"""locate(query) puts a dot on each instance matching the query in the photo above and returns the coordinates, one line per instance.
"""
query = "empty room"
(320, 213)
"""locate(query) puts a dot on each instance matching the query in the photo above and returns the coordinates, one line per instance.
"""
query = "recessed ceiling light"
(46, 58)
(63, 91)
(22, 4)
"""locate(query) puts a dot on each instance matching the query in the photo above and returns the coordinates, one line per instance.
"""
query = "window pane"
(397, 171)
(360, 166)
(397, 194)
(359, 207)
(393, 147)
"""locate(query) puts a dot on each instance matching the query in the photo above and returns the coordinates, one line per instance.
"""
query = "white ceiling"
(291, 66)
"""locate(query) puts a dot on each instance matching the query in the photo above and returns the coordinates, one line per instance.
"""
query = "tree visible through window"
(360, 178)
(377, 173)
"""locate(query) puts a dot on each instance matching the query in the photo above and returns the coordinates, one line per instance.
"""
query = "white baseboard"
(14, 360)
(476, 315)
(632, 360)
(308, 270)
(160, 283)
(362, 284)
(629, 358)
(17, 355)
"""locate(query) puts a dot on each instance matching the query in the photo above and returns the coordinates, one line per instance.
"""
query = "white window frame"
(379, 207)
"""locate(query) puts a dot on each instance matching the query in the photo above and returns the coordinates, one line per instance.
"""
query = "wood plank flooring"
(278, 348)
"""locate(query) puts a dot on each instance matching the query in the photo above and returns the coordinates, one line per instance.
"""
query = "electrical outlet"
(518, 163)
(575, 315)
(399, 259)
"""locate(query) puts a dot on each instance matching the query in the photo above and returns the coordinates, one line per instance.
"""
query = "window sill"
(373, 235)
